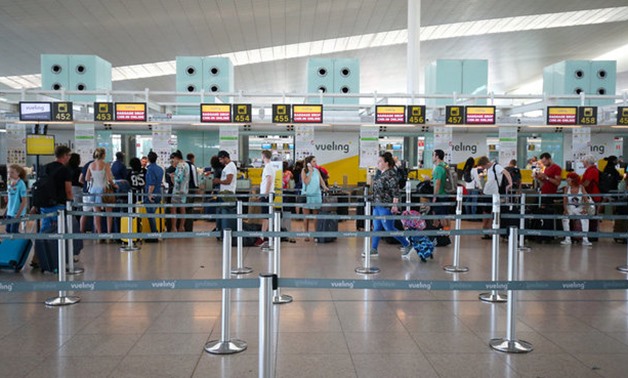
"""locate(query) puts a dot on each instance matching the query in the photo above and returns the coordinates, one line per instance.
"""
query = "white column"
(414, 45)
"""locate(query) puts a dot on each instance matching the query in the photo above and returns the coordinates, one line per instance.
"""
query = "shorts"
(486, 204)
(179, 198)
(441, 209)
(264, 209)
(87, 201)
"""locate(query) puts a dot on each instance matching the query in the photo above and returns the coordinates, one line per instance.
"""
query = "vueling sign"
(333, 146)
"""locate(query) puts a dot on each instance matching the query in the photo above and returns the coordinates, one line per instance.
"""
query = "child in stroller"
(421, 244)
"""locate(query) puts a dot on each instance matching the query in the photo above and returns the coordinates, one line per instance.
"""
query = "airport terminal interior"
(344, 81)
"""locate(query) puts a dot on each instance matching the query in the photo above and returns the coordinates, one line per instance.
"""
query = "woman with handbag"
(102, 186)
(576, 202)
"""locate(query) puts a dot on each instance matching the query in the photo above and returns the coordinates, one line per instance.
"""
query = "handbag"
(590, 205)
(108, 195)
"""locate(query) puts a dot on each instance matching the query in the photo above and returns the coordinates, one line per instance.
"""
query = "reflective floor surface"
(323, 333)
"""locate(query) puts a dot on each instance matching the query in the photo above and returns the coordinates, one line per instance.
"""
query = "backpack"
(607, 182)
(501, 185)
(515, 174)
(402, 176)
(451, 180)
(193, 176)
(44, 190)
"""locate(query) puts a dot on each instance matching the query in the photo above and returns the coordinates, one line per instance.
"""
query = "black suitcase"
(544, 224)
(47, 251)
(326, 225)
(359, 223)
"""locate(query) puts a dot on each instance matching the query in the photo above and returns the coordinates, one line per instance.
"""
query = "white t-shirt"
(229, 169)
(492, 186)
(268, 175)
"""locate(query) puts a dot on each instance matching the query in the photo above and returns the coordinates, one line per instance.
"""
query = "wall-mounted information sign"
(307, 113)
(131, 111)
(480, 115)
(587, 115)
(454, 115)
(216, 113)
(416, 114)
(562, 115)
(242, 113)
(62, 111)
(281, 113)
(40, 144)
(622, 115)
(103, 111)
(35, 111)
(390, 114)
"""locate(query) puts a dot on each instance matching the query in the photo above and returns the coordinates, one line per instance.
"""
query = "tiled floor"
(323, 333)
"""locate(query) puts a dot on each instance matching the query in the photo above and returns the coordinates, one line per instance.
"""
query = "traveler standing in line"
(16, 188)
(181, 181)
(99, 175)
(515, 175)
(439, 175)
(227, 182)
(265, 188)
(472, 183)
(154, 177)
(298, 185)
(74, 164)
(550, 179)
(312, 182)
(193, 184)
(591, 178)
(87, 199)
(136, 178)
(145, 161)
(574, 203)
(118, 169)
(494, 177)
(61, 176)
(386, 190)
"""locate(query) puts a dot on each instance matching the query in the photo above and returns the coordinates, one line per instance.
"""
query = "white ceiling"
(129, 32)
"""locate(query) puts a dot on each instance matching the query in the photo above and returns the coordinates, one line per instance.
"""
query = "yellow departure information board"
(416, 114)
(242, 113)
(216, 113)
(103, 111)
(390, 114)
(307, 113)
(130, 111)
(562, 115)
(281, 113)
(454, 115)
(480, 115)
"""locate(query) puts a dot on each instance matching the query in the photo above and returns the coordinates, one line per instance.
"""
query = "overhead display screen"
(416, 114)
(242, 113)
(587, 115)
(307, 113)
(622, 116)
(40, 144)
(454, 115)
(390, 114)
(281, 113)
(216, 113)
(35, 111)
(130, 111)
(103, 111)
(62, 111)
(562, 115)
(480, 115)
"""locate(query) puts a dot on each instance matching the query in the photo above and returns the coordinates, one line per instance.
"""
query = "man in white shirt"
(227, 182)
(267, 185)
(495, 175)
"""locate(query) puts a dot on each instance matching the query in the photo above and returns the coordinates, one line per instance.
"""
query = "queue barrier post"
(267, 247)
(494, 296)
(225, 345)
(71, 270)
(63, 299)
(510, 344)
(367, 268)
(522, 224)
(456, 267)
(131, 246)
(240, 268)
(278, 298)
(268, 283)
(408, 195)
(624, 268)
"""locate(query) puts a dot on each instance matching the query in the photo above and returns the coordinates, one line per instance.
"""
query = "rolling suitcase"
(14, 253)
(47, 251)
(326, 225)
(159, 222)
(543, 224)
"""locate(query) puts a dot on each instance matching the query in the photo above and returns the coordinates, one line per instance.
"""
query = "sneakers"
(405, 252)
(586, 242)
(372, 253)
(567, 241)
(259, 242)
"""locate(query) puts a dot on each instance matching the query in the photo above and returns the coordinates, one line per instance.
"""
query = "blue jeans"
(152, 210)
(471, 203)
(226, 223)
(13, 228)
(387, 224)
(50, 224)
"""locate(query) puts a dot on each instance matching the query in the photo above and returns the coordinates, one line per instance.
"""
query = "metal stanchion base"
(133, 248)
(282, 299)
(243, 270)
(369, 270)
(493, 297)
(623, 268)
(62, 301)
(75, 271)
(266, 249)
(524, 249)
(455, 269)
(225, 347)
(510, 346)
